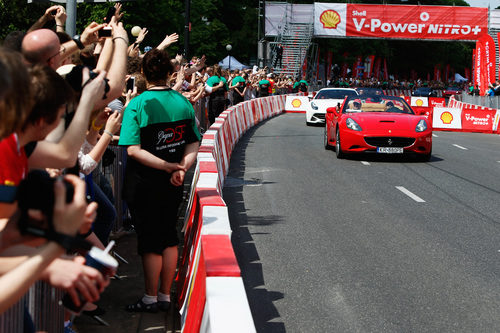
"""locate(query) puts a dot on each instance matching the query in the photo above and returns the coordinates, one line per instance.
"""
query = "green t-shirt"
(162, 122)
(239, 81)
(263, 84)
(215, 80)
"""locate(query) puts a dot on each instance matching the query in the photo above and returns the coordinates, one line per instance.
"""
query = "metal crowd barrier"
(42, 300)
(486, 101)
(43, 304)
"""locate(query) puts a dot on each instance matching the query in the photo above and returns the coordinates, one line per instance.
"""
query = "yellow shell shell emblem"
(296, 103)
(446, 117)
(330, 19)
(419, 102)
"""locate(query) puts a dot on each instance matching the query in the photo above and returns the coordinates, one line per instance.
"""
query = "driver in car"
(356, 104)
(389, 107)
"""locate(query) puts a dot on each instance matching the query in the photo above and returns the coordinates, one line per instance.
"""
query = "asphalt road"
(370, 244)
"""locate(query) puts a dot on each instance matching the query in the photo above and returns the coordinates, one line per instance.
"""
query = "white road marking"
(434, 135)
(411, 195)
(460, 147)
(365, 163)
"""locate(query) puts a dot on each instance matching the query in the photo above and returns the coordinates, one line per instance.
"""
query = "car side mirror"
(332, 109)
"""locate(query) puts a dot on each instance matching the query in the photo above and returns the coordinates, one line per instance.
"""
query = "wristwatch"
(69, 242)
(78, 42)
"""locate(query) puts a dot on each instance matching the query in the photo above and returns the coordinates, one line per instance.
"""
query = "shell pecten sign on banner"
(447, 118)
(297, 103)
(330, 19)
(420, 101)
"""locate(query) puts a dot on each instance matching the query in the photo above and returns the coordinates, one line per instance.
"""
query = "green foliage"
(216, 23)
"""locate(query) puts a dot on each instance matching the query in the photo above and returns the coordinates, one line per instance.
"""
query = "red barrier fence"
(209, 284)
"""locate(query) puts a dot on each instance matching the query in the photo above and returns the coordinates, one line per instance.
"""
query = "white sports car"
(325, 98)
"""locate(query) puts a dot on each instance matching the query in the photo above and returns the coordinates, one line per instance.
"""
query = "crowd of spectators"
(63, 101)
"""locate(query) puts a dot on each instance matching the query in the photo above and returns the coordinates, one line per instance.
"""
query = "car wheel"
(308, 123)
(426, 157)
(338, 147)
(325, 138)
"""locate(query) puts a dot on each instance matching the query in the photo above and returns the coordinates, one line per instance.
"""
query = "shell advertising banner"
(447, 118)
(400, 21)
(478, 120)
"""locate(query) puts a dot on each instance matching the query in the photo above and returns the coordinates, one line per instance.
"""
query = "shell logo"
(419, 102)
(446, 118)
(330, 19)
(296, 103)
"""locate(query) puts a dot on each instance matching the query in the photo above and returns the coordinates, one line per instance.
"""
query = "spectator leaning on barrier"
(263, 86)
(21, 266)
(239, 88)
(217, 87)
(161, 136)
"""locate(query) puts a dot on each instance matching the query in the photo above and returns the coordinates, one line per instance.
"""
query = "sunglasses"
(61, 51)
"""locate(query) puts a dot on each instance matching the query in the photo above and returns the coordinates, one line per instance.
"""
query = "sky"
(484, 3)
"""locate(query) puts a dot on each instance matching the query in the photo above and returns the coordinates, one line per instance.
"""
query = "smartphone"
(111, 12)
(131, 83)
(105, 32)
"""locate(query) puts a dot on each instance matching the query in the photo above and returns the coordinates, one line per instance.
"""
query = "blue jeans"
(106, 215)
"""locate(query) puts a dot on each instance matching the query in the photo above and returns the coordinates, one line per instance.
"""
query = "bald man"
(42, 46)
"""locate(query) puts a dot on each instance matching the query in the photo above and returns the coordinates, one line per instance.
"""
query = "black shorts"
(154, 213)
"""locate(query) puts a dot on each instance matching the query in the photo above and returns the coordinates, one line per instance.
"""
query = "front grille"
(319, 116)
(389, 141)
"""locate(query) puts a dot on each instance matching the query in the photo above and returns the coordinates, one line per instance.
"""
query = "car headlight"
(351, 124)
(314, 106)
(421, 126)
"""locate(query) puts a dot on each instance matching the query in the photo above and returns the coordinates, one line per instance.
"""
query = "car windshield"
(369, 91)
(377, 103)
(335, 94)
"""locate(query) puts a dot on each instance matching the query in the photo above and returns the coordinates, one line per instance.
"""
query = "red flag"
(386, 74)
(498, 40)
(467, 73)
(437, 73)
(447, 73)
(317, 64)
(369, 66)
(356, 70)
(490, 59)
(485, 63)
(304, 68)
(329, 59)
(344, 69)
(376, 68)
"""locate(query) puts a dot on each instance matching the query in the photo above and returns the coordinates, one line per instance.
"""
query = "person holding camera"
(21, 266)
(161, 136)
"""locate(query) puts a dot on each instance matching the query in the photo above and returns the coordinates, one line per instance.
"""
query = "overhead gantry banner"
(400, 21)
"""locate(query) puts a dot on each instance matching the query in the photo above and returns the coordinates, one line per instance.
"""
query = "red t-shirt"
(13, 167)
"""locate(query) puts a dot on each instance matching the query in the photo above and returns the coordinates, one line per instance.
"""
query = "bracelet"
(60, 25)
(109, 133)
(96, 128)
(126, 41)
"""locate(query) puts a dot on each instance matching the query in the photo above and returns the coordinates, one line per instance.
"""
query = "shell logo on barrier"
(446, 118)
(330, 19)
(419, 102)
(296, 103)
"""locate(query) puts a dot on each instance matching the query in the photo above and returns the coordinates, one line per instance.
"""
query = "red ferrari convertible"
(379, 124)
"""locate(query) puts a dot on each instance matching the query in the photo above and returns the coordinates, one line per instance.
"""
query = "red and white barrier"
(472, 118)
(209, 284)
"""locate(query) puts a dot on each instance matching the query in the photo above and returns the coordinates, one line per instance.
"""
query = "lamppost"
(229, 48)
